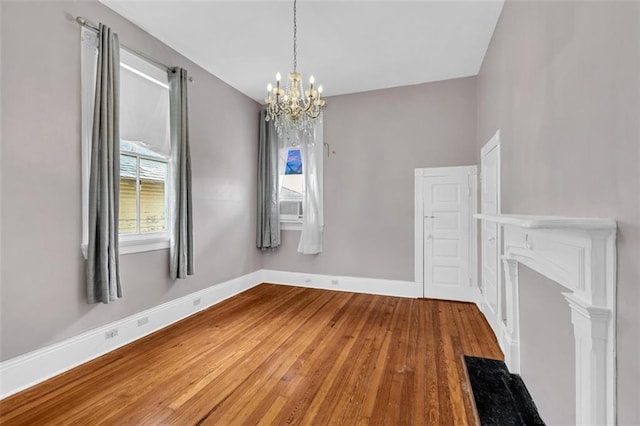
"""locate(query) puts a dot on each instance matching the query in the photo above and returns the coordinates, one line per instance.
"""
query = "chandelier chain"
(295, 37)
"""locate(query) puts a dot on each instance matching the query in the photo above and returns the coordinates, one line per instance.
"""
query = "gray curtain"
(103, 270)
(268, 226)
(182, 238)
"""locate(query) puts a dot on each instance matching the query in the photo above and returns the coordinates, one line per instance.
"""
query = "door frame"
(493, 143)
(472, 177)
(495, 319)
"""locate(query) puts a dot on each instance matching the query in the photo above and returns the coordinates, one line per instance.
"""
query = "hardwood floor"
(278, 355)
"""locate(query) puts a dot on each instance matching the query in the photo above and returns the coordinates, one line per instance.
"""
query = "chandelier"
(292, 107)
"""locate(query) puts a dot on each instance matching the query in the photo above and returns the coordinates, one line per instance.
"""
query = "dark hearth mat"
(501, 397)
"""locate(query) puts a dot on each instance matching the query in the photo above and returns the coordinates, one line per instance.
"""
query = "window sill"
(290, 226)
(138, 244)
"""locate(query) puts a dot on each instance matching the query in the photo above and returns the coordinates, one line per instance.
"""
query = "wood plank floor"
(279, 355)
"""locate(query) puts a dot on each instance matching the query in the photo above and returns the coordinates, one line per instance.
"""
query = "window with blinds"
(144, 146)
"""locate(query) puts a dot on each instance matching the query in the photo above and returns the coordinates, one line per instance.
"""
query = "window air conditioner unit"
(291, 210)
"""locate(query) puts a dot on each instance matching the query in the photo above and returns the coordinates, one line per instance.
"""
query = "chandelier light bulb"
(311, 80)
(278, 77)
(269, 87)
(320, 89)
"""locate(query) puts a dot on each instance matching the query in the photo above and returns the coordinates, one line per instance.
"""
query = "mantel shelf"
(549, 222)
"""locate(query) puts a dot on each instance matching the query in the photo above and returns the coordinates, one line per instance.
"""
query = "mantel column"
(510, 329)
(590, 328)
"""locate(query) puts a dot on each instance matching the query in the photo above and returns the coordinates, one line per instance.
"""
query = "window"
(143, 192)
(145, 148)
(292, 188)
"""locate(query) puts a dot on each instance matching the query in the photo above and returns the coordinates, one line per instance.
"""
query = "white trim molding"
(492, 311)
(344, 283)
(491, 144)
(580, 255)
(34, 367)
(151, 242)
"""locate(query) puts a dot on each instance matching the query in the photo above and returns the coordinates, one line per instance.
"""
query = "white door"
(490, 232)
(447, 232)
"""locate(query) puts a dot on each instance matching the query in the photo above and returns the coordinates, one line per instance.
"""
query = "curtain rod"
(83, 22)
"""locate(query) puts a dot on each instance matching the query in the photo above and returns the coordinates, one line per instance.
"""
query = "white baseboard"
(496, 325)
(490, 316)
(27, 370)
(34, 367)
(510, 349)
(342, 283)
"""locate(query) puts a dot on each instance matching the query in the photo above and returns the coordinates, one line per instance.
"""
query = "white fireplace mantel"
(579, 254)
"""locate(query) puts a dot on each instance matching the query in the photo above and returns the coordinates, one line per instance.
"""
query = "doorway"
(445, 237)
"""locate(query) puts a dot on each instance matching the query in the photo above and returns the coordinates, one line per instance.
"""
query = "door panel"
(446, 247)
(446, 236)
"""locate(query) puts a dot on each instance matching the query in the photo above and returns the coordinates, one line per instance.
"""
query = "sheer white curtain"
(311, 145)
(312, 150)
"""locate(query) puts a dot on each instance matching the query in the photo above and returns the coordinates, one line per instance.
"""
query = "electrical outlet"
(196, 302)
(334, 282)
(111, 334)
(143, 321)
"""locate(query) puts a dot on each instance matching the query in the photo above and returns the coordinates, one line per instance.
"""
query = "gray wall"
(42, 280)
(379, 137)
(547, 348)
(561, 80)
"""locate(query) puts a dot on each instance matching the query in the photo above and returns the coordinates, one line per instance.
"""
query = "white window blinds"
(144, 107)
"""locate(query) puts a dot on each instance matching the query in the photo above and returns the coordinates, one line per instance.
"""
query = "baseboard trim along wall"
(27, 370)
(342, 283)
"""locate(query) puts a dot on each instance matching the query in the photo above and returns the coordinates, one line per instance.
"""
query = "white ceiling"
(349, 46)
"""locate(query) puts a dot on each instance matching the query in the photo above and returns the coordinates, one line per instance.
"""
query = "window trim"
(143, 242)
(287, 225)
(128, 243)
